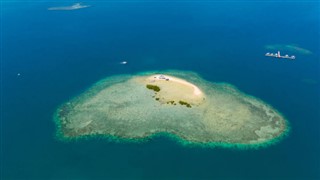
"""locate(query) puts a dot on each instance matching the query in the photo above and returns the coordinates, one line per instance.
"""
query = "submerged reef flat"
(288, 47)
(68, 8)
(177, 103)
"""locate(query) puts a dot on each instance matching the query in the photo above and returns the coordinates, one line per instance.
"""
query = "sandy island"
(173, 89)
(177, 103)
(160, 77)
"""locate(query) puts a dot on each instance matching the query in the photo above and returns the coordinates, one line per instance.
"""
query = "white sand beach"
(174, 89)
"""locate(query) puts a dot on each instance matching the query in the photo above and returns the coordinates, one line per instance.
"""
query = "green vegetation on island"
(153, 87)
(171, 102)
(185, 103)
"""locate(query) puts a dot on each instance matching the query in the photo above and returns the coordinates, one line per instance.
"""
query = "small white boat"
(278, 55)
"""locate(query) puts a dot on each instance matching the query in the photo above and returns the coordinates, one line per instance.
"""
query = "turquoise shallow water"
(61, 53)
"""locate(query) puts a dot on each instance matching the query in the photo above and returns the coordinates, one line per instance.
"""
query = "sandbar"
(173, 88)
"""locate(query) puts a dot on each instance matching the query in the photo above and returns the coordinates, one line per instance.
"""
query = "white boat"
(278, 55)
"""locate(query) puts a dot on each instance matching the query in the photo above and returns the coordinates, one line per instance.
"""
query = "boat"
(278, 55)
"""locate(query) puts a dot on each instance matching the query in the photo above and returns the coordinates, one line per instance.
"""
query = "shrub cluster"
(185, 103)
(153, 87)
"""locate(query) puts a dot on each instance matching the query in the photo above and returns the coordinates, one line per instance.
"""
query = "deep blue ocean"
(49, 57)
